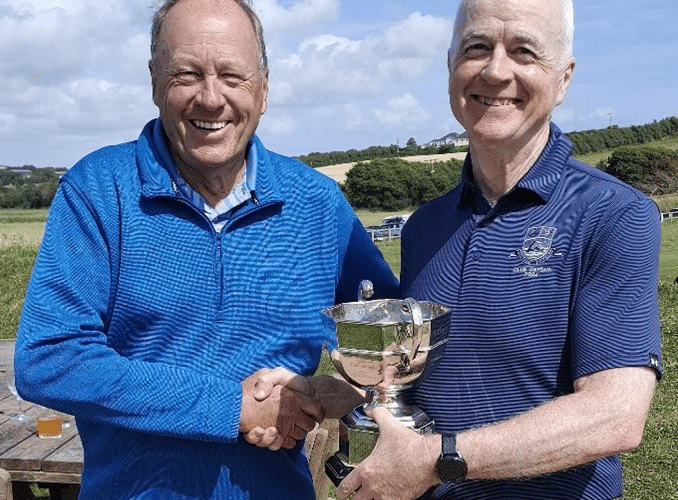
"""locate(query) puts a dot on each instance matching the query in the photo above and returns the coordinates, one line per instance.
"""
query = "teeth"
(208, 125)
(496, 102)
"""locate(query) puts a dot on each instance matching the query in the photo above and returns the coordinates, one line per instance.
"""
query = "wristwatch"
(451, 466)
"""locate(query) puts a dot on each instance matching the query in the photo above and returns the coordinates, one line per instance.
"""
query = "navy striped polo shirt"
(557, 281)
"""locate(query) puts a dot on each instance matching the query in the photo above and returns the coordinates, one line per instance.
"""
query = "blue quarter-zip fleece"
(142, 321)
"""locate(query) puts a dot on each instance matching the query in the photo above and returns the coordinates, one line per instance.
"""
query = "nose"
(211, 95)
(498, 67)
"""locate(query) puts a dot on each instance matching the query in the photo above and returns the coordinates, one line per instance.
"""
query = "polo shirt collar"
(540, 181)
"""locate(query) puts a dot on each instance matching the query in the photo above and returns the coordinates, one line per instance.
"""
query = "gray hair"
(566, 33)
(161, 15)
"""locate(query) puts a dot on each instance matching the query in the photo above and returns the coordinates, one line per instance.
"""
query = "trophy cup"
(384, 346)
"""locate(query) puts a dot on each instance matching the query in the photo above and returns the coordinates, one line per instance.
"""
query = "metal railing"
(383, 234)
(672, 214)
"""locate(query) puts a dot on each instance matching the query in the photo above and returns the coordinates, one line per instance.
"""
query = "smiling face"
(208, 84)
(507, 74)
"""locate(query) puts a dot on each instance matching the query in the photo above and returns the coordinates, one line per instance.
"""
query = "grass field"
(651, 471)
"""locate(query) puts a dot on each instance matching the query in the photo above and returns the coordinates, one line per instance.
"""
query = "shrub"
(393, 184)
(652, 170)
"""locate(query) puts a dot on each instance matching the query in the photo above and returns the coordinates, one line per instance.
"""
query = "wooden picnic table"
(24, 457)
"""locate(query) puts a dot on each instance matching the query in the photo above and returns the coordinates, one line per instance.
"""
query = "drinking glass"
(9, 376)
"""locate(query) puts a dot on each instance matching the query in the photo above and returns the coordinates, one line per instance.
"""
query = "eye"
(477, 49)
(232, 78)
(187, 76)
(525, 54)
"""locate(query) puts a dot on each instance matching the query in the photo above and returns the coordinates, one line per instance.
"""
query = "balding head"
(565, 29)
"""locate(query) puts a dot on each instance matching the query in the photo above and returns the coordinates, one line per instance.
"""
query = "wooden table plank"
(6, 352)
(23, 454)
(67, 458)
(30, 453)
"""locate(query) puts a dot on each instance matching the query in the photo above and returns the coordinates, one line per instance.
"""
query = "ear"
(565, 80)
(264, 89)
(154, 81)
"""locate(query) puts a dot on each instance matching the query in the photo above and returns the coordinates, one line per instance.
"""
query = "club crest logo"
(536, 250)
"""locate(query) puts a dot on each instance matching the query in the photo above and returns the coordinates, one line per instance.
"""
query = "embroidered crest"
(536, 250)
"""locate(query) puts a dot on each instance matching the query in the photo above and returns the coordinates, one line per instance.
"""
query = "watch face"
(451, 465)
(452, 468)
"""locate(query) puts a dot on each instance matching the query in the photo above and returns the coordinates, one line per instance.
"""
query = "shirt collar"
(243, 191)
(540, 181)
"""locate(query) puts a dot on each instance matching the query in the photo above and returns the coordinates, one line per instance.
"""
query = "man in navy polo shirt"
(550, 267)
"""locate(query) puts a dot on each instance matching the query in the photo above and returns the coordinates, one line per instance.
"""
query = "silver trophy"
(384, 346)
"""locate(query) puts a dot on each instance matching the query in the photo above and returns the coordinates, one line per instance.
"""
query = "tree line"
(28, 186)
(393, 151)
(394, 184)
(587, 141)
(590, 141)
(381, 181)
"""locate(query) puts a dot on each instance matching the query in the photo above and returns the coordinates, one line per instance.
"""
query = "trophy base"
(358, 435)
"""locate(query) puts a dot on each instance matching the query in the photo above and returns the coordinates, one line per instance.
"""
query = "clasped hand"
(278, 408)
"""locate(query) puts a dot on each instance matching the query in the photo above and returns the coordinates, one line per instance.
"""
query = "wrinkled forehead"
(219, 27)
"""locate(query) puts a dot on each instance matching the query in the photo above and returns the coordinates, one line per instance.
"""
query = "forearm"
(147, 397)
(605, 416)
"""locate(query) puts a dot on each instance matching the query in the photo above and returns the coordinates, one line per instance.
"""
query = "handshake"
(279, 407)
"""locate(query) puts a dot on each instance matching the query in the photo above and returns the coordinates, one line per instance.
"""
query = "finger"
(267, 379)
(274, 439)
(277, 443)
(306, 422)
(349, 485)
(380, 415)
(293, 408)
(254, 436)
(313, 409)
(289, 443)
(269, 437)
(298, 433)
(263, 385)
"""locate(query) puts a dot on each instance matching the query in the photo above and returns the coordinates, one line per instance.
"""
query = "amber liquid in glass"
(49, 426)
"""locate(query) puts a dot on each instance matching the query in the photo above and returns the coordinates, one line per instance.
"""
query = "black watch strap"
(451, 466)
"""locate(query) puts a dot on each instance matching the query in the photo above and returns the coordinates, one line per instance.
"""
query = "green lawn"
(651, 472)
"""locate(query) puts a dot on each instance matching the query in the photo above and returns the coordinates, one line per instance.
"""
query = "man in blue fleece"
(176, 266)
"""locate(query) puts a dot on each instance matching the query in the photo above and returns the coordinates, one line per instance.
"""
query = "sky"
(344, 74)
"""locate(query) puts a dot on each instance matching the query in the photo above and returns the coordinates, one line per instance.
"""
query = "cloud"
(402, 112)
(328, 68)
(278, 19)
(281, 125)
(71, 70)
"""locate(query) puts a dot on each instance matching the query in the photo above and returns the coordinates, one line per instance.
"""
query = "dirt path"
(338, 172)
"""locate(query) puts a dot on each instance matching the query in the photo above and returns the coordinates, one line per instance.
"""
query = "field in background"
(650, 472)
(22, 226)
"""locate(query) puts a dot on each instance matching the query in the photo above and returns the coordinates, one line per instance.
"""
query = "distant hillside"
(585, 142)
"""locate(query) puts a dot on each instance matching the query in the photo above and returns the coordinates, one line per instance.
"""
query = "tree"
(394, 184)
(652, 170)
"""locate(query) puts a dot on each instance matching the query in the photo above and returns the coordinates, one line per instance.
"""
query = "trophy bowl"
(383, 346)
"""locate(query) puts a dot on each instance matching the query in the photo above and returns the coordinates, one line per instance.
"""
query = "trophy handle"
(365, 290)
(412, 307)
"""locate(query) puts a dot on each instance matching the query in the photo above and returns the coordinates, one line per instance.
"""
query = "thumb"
(266, 379)
(381, 416)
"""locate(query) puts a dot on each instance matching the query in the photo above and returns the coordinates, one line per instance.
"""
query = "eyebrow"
(520, 38)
